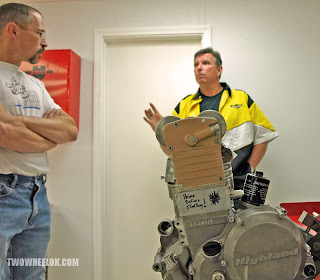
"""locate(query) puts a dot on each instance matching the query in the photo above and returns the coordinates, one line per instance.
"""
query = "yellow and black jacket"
(246, 124)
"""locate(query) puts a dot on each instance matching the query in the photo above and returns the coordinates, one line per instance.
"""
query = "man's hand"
(55, 125)
(51, 114)
(152, 116)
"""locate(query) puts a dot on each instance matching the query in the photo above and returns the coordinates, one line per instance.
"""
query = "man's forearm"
(59, 129)
(258, 151)
(15, 136)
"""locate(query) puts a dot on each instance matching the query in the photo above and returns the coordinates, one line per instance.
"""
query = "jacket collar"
(224, 85)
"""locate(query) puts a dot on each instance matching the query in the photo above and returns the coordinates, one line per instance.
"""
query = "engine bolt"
(191, 271)
(192, 139)
(231, 219)
(307, 247)
(203, 120)
(218, 276)
(308, 254)
(223, 263)
(239, 222)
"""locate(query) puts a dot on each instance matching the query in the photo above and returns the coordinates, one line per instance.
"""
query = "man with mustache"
(248, 130)
(30, 124)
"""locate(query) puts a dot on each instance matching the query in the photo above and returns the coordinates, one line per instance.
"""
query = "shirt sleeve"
(262, 128)
(48, 103)
(176, 110)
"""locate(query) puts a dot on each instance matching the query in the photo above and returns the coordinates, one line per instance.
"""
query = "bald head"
(20, 14)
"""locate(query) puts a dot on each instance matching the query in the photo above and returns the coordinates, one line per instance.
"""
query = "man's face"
(32, 45)
(205, 69)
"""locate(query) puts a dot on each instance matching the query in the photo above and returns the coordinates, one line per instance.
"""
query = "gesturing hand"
(152, 116)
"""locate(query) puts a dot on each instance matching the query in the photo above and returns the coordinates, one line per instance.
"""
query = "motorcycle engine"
(209, 239)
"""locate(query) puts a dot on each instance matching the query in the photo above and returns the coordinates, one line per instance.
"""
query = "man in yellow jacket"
(248, 130)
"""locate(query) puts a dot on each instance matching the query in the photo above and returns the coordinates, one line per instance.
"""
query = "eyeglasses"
(42, 34)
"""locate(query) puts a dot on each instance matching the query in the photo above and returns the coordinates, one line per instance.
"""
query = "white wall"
(269, 49)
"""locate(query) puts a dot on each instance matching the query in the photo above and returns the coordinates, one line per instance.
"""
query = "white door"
(157, 71)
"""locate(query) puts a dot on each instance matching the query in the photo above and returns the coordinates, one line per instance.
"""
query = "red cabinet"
(60, 71)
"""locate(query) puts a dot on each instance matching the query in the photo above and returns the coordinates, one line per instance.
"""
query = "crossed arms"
(31, 134)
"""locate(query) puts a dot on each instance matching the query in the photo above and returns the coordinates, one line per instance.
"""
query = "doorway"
(133, 199)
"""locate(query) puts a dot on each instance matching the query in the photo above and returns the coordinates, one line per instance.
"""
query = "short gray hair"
(18, 13)
(216, 55)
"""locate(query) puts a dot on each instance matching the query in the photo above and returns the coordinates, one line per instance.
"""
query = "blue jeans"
(25, 225)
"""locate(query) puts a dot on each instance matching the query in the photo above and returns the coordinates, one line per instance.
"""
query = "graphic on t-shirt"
(30, 98)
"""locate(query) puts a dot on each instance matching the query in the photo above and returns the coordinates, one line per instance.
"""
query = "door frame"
(100, 170)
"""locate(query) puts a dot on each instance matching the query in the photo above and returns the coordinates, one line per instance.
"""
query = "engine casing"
(209, 239)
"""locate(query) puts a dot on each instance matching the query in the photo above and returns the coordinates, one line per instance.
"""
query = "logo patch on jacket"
(236, 106)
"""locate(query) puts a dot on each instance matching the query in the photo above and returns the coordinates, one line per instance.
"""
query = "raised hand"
(152, 116)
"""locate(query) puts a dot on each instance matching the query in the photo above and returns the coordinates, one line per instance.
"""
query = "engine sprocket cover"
(262, 245)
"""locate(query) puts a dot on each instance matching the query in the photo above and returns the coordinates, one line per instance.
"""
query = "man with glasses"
(30, 124)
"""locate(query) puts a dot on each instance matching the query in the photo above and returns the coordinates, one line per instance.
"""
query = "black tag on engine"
(255, 189)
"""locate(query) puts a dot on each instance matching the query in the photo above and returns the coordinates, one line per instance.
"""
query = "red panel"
(295, 209)
(60, 71)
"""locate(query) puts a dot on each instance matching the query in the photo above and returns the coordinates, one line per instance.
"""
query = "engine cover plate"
(263, 246)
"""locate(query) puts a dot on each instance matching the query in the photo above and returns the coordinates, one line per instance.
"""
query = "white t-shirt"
(21, 94)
